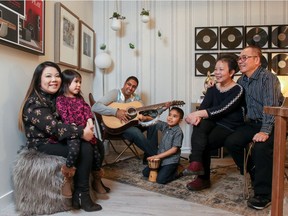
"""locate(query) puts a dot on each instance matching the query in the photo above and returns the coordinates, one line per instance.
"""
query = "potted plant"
(116, 21)
(145, 15)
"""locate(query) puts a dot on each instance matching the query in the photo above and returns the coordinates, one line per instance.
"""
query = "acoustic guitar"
(114, 126)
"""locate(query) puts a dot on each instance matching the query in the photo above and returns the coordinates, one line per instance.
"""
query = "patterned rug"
(225, 193)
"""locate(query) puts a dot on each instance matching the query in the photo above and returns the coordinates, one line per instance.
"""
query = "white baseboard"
(6, 199)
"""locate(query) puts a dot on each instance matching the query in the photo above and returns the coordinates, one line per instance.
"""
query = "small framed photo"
(86, 48)
(66, 37)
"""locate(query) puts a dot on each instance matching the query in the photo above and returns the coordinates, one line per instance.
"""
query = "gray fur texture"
(37, 183)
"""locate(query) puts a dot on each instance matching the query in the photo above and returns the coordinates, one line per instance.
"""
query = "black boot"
(82, 200)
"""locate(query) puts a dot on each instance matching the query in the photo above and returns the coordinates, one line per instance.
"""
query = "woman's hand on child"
(88, 132)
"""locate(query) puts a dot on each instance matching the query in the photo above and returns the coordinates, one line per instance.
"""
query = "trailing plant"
(117, 16)
(144, 12)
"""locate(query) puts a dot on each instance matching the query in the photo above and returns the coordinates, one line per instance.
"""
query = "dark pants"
(206, 136)
(166, 173)
(84, 163)
(262, 156)
(149, 144)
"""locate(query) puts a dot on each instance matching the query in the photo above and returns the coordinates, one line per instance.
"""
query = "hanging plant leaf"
(131, 46)
(103, 46)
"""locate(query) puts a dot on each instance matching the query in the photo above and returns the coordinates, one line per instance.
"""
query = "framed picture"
(279, 63)
(22, 25)
(86, 48)
(231, 37)
(66, 36)
(258, 35)
(279, 37)
(204, 63)
(206, 38)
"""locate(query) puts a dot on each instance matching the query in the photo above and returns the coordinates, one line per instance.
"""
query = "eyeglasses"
(244, 58)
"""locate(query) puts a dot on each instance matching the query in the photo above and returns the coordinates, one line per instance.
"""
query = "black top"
(226, 108)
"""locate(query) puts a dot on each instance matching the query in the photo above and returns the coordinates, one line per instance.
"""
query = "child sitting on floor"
(169, 149)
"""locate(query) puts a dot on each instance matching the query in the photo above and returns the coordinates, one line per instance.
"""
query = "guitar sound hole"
(132, 112)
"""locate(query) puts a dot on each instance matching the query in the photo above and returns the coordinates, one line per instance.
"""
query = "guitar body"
(113, 125)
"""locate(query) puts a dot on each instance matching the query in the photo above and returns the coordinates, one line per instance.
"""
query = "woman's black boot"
(83, 200)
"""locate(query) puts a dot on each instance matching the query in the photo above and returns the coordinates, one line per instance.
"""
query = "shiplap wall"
(165, 66)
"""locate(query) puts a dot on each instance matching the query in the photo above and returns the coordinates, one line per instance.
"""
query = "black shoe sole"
(258, 207)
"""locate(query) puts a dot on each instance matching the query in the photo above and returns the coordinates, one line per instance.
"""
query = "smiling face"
(222, 73)
(249, 61)
(50, 80)
(129, 88)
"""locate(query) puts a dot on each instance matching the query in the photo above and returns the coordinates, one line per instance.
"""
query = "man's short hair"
(132, 78)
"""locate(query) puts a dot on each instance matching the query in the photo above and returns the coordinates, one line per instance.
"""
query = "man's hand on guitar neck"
(122, 115)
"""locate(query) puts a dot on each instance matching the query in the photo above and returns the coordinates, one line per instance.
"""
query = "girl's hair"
(67, 78)
(231, 61)
(35, 87)
(179, 110)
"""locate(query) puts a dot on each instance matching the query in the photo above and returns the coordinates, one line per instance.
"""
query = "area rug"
(226, 190)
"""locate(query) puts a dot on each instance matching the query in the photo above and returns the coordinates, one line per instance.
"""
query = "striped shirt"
(261, 89)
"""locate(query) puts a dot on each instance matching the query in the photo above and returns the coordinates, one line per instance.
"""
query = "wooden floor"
(126, 200)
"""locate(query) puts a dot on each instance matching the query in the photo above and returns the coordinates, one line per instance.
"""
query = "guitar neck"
(150, 107)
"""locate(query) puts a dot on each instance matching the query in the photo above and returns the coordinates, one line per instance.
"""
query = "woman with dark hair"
(39, 120)
(221, 111)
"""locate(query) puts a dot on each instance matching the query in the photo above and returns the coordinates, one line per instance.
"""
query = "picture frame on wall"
(86, 48)
(204, 63)
(206, 38)
(22, 25)
(66, 37)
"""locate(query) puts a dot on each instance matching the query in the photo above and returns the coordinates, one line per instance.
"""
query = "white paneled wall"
(165, 65)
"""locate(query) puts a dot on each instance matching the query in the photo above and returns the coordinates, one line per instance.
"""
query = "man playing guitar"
(134, 133)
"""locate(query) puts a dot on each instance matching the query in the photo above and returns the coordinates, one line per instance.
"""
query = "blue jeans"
(166, 173)
(148, 145)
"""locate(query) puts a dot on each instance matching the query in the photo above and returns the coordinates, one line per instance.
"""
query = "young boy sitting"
(169, 148)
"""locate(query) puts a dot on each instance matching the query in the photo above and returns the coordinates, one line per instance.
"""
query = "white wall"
(166, 66)
(16, 69)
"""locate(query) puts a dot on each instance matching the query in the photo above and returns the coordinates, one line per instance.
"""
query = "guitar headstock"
(177, 103)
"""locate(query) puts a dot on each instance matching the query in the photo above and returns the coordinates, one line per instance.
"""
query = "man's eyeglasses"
(244, 58)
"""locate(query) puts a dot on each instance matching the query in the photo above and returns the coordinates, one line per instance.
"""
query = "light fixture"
(103, 60)
(284, 85)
